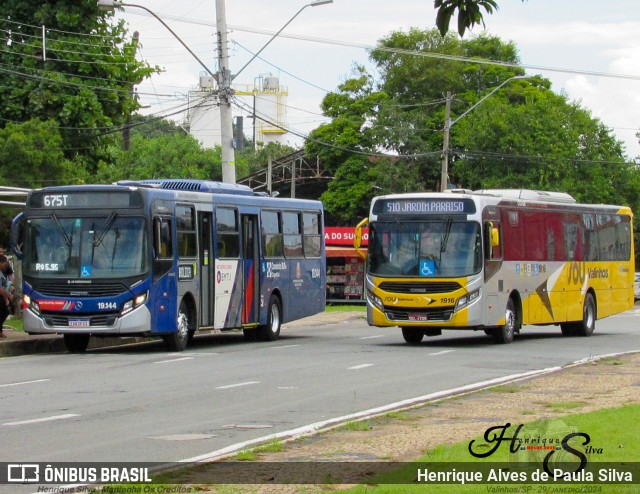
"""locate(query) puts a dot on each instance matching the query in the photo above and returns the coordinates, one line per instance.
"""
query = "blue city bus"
(167, 258)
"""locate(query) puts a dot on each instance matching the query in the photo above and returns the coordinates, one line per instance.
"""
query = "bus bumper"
(138, 321)
(448, 318)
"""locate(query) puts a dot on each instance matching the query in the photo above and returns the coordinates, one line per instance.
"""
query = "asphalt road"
(139, 403)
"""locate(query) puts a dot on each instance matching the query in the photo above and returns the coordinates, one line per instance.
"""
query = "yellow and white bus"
(495, 260)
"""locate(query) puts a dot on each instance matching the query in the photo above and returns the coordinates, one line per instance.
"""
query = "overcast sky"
(589, 49)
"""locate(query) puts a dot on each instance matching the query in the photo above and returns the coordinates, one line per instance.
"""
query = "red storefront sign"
(343, 235)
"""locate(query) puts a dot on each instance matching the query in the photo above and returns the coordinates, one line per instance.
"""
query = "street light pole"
(111, 5)
(225, 78)
(448, 124)
(315, 3)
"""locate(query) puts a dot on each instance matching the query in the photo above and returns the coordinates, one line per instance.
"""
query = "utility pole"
(126, 132)
(225, 92)
(445, 146)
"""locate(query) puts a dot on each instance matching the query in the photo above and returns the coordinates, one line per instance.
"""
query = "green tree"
(32, 155)
(80, 75)
(251, 160)
(345, 144)
(175, 155)
(521, 136)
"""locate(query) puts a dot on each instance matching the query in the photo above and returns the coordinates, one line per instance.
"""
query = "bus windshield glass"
(90, 247)
(443, 248)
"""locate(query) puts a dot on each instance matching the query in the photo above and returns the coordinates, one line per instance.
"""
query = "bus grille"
(57, 289)
(422, 287)
(435, 314)
(62, 320)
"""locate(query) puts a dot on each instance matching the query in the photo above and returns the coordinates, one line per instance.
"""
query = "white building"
(266, 99)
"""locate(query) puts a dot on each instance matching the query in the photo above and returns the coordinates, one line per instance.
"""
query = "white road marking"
(284, 346)
(372, 337)
(24, 382)
(229, 386)
(173, 360)
(440, 353)
(361, 366)
(43, 419)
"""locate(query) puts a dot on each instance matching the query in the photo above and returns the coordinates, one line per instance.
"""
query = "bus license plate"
(79, 323)
(418, 317)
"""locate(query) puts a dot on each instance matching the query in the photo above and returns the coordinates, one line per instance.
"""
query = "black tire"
(271, 330)
(504, 334)
(589, 315)
(76, 343)
(413, 336)
(177, 342)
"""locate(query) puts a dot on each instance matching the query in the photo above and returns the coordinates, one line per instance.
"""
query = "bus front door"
(206, 269)
(251, 262)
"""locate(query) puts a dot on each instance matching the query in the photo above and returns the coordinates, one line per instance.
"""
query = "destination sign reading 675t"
(424, 206)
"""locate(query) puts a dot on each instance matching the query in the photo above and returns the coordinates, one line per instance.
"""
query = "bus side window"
(162, 245)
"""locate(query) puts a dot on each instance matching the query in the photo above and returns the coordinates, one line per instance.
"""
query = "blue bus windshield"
(95, 247)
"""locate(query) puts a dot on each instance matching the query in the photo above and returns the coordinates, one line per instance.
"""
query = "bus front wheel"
(504, 334)
(271, 330)
(76, 343)
(413, 336)
(176, 342)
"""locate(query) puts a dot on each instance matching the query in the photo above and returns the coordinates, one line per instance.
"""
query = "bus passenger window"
(186, 231)
(163, 247)
(227, 233)
(271, 234)
(312, 238)
(292, 236)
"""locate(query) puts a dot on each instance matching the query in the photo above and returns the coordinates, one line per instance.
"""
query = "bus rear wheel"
(271, 330)
(588, 323)
(177, 342)
(504, 334)
(76, 343)
(413, 336)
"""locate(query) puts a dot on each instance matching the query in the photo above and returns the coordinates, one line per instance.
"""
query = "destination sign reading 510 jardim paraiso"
(424, 206)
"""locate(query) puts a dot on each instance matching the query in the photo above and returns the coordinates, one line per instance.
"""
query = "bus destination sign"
(428, 205)
(96, 199)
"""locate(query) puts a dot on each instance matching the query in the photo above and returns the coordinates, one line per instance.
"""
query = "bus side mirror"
(357, 240)
(495, 236)
(17, 235)
(491, 239)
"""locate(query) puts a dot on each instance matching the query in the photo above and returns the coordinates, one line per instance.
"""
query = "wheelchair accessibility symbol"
(427, 268)
(85, 271)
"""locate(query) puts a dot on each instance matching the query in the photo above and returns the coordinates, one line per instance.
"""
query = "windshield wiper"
(103, 233)
(445, 235)
(61, 230)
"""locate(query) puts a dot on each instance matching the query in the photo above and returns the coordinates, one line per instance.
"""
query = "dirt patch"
(406, 436)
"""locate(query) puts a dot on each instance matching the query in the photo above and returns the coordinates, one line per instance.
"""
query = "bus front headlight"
(132, 304)
(466, 300)
(375, 300)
